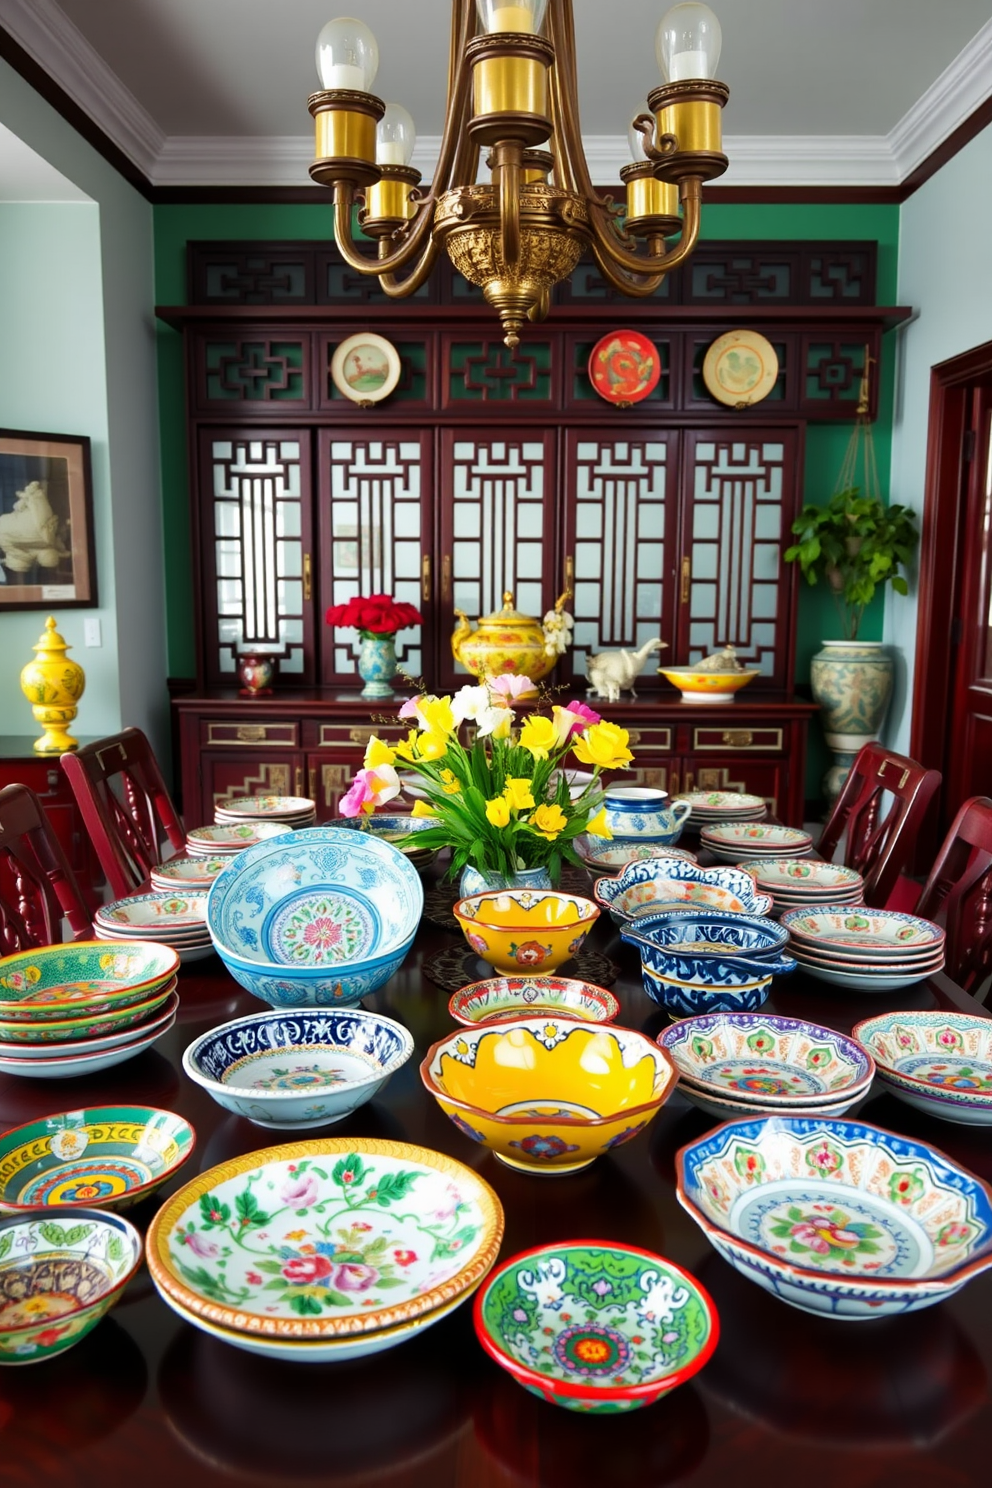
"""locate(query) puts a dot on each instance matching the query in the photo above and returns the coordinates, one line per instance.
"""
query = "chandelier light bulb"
(688, 43)
(395, 136)
(635, 138)
(347, 55)
(525, 16)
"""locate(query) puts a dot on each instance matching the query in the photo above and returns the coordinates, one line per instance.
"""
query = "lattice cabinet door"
(620, 544)
(740, 494)
(255, 550)
(498, 528)
(374, 519)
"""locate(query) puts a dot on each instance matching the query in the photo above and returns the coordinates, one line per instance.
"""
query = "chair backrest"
(879, 846)
(958, 894)
(125, 806)
(37, 887)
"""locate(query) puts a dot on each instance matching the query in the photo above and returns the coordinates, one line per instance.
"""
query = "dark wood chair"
(958, 895)
(125, 805)
(879, 845)
(37, 886)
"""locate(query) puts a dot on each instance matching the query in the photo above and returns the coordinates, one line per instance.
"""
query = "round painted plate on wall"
(365, 368)
(740, 368)
(624, 368)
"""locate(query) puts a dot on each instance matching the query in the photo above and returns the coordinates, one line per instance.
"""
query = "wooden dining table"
(787, 1397)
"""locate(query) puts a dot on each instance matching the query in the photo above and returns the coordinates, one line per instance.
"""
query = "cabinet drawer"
(357, 735)
(650, 740)
(278, 735)
(730, 740)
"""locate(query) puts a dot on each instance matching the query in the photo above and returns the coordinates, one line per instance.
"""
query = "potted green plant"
(856, 544)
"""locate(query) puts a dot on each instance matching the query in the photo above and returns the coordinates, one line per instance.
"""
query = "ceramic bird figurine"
(613, 672)
(720, 661)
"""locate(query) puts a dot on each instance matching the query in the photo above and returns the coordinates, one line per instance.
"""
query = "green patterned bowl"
(59, 1273)
(82, 977)
(595, 1326)
(87, 1026)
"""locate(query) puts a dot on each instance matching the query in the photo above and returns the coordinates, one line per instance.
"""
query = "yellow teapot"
(508, 642)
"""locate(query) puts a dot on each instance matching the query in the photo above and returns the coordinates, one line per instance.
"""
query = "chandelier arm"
(398, 289)
(572, 170)
(605, 245)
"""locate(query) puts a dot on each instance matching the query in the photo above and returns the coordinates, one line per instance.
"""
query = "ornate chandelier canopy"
(513, 93)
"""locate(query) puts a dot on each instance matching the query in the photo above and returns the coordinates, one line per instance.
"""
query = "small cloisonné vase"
(255, 674)
(476, 881)
(377, 664)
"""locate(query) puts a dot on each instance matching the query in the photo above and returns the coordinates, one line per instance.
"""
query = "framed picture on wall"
(46, 521)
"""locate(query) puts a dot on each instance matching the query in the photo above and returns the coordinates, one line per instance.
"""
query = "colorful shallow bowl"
(939, 1062)
(112, 1156)
(734, 841)
(864, 934)
(523, 997)
(700, 961)
(708, 687)
(525, 931)
(325, 1239)
(610, 856)
(770, 1061)
(55, 1065)
(83, 976)
(59, 1273)
(230, 838)
(65, 1049)
(188, 873)
(644, 888)
(298, 1070)
(595, 1326)
(837, 1217)
(548, 1096)
(87, 1026)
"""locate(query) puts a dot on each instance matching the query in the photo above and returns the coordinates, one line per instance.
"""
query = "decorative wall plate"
(740, 368)
(366, 368)
(624, 367)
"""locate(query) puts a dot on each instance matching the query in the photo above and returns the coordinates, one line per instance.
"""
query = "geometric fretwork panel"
(501, 523)
(371, 505)
(620, 531)
(737, 532)
(258, 550)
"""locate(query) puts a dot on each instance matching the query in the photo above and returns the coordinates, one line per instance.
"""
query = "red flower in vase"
(379, 614)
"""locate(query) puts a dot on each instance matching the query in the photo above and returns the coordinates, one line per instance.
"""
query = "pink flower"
(254, 1277)
(352, 1277)
(409, 708)
(358, 798)
(512, 687)
(300, 1193)
(307, 1269)
(584, 716)
(206, 1249)
(369, 789)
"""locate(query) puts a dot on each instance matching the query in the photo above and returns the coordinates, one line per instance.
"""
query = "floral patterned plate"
(939, 1062)
(326, 1238)
(231, 838)
(164, 912)
(595, 1326)
(188, 873)
(507, 997)
(757, 838)
(863, 934)
(275, 808)
(613, 857)
(82, 978)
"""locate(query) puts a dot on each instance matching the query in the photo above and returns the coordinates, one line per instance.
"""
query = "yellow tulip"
(451, 784)
(422, 808)
(432, 746)
(597, 827)
(436, 716)
(378, 753)
(518, 793)
(538, 735)
(605, 745)
(407, 748)
(498, 812)
(549, 821)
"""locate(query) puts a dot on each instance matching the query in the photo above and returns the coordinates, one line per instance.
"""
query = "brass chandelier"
(513, 91)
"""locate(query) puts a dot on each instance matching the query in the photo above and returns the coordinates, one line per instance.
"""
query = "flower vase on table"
(377, 619)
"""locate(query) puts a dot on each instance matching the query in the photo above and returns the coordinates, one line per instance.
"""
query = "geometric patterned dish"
(939, 1062)
(293, 809)
(837, 1217)
(154, 1022)
(60, 1271)
(546, 996)
(767, 1060)
(160, 914)
(867, 979)
(525, 931)
(723, 1108)
(864, 934)
(106, 1155)
(710, 807)
(55, 1065)
(642, 887)
(84, 976)
(32, 1036)
(595, 1326)
(300, 1069)
(326, 1238)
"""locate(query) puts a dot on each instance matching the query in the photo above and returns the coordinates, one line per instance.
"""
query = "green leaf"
(271, 1268)
(277, 1284)
(332, 1298)
(6, 1241)
(392, 1186)
(212, 1211)
(349, 1171)
(390, 1281)
(56, 1235)
(305, 1305)
(115, 1248)
(320, 1173)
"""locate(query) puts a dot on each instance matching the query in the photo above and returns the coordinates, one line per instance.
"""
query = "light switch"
(92, 633)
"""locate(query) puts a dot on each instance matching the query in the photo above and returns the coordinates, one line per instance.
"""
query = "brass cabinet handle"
(299, 780)
(686, 579)
(569, 572)
(312, 792)
(307, 578)
(446, 576)
(738, 738)
(425, 578)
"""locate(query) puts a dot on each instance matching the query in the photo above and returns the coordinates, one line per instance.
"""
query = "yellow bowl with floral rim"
(549, 1095)
(525, 932)
(708, 687)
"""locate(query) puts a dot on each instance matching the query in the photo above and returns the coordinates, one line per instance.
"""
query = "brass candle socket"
(344, 129)
(652, 205)
(388, 201)
(690, 133)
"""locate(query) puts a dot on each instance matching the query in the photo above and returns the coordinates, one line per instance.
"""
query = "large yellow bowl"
(549, 1095)
(525, 932)
(707, 687)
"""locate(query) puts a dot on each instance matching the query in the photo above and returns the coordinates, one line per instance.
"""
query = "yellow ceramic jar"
(508, 642)
(54, 685)
(549, 1095)
(525, 932)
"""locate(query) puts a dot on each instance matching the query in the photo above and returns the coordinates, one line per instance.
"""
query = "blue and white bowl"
(700, 961)
(837, 1217)
(644, 888)
(298, 1070)
(645, 814)
(318, 919)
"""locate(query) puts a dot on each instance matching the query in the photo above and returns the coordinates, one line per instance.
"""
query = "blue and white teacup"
(643, 813)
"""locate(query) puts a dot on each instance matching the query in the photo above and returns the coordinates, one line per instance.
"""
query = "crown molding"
(947, 104)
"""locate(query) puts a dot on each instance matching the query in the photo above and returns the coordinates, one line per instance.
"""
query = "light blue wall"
(79, 302)
(945, 231)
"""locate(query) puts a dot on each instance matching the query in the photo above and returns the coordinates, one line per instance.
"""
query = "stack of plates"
(740, 842)
(74, 1009)
(224, 842)
(188, 874)
(734, 1065)
(174, 919)
(386, 1239)
(868, 950)
(293, 812)
(396, 829)
(710, 807)
(801, 883)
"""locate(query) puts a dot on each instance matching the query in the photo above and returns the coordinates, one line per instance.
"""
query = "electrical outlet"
(92, 633)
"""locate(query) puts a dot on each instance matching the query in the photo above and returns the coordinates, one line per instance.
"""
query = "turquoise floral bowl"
(595, 1326)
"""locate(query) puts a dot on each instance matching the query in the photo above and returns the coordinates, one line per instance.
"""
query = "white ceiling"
(215, 91)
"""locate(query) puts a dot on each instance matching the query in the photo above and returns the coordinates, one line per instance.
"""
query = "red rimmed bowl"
(540, 996)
